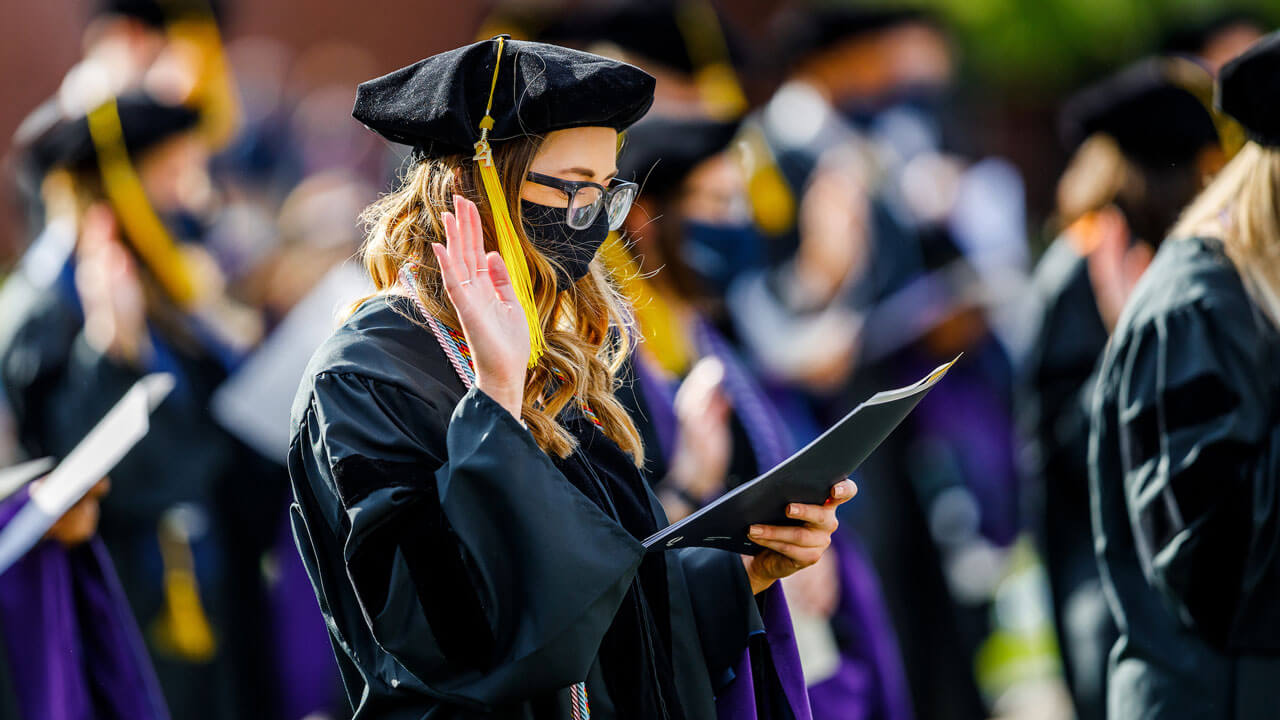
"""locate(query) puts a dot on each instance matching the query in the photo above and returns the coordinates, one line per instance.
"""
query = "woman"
(713, 423)
(468, 500)
(1185, 446)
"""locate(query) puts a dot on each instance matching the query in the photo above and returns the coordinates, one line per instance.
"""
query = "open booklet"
(106, 444)
(805, 477)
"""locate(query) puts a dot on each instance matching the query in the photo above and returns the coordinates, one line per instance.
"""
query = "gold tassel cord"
(182, 629)
(143, 228)
(508, 240)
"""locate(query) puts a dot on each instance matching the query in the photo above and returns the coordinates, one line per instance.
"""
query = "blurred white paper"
(90, 461)
(254, 403)
(13, 478)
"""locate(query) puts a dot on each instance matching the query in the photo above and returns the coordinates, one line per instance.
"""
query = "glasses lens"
(584, 206)
(620, 204)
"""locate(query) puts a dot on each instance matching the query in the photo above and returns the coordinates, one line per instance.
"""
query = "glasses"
(587, 199)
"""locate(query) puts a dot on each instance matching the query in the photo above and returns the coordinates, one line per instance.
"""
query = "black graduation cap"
(1156, 121)
(50, 139)
(660, 151)
(652, 30)
(1249, 90)
(436, 104)
(159, 13)
(812, 31)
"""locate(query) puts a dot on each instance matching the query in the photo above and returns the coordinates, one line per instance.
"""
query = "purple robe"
(72, 646)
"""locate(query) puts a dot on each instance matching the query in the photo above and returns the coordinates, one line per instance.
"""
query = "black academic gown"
(1055, 390)
(1185, 473)
(461, 570)
(59, 388)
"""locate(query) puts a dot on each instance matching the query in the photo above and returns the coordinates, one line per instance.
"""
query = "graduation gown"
(1052, 403)
(1185, 475)
(69, 643)
(59, 387)
(465, 573)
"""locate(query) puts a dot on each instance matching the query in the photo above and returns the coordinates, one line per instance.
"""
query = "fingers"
(500, 278)
(796, 555)
(842, 492)
(819, 517)
(455, 245)
(475, 235)
(800, 537)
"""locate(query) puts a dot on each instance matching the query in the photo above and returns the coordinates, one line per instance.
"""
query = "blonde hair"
(588, 328)
(1242, 207)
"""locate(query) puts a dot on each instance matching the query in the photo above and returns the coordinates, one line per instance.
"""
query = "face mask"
(571, 250)
(719, 254)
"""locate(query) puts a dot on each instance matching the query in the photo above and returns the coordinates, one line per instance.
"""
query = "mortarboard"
(500, 89)
(660, 151)
(1249, 90)
(813, 31)
(50, 139)
(436, 104)
(1148, 109)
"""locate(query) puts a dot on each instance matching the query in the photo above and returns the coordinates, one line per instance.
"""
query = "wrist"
(758, 582)
(511, 400)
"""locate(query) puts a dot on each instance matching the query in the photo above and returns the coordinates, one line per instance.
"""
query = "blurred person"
(1215, 38)
(69, 645)
(134, 292)
(709, 424)
(450, 589)
(1145, 147)
(684, 44)
(1184, 443)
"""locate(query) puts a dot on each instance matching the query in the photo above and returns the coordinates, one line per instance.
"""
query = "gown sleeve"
(477, 567)
(724, 608)
(1196, 446)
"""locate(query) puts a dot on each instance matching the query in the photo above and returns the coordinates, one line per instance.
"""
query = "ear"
(639, 224)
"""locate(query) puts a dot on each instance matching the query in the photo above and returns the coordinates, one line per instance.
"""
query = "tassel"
(144, 229)
(508, 240)
(182, 629)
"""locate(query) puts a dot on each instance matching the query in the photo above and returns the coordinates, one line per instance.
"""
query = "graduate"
(1136, 131)
(708, 421)
(469, 503)
(1185, 445)
(130, 294)
(69, 646)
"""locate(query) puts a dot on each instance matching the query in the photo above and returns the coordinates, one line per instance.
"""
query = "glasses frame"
(571, 188)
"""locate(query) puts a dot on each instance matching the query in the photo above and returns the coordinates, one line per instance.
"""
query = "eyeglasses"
(586, 199)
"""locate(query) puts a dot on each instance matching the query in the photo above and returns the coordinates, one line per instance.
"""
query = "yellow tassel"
(142, 227)
(508, 239)
(182, 629)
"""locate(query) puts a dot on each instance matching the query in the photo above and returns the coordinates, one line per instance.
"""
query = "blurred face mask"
(571, 249)
(720, 253)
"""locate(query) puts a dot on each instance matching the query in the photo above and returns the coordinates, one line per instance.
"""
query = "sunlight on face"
(584, 154)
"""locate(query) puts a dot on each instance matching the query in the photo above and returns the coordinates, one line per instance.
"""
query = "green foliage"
(1045, 46)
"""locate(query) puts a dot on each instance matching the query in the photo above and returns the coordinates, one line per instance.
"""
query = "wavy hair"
(588, 328)
(1242, 207)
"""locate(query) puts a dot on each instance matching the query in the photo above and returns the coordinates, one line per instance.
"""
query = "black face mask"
(571, 250)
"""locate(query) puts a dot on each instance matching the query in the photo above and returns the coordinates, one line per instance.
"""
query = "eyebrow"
(588, 173)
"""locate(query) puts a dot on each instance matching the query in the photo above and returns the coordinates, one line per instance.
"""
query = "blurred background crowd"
(836, 198)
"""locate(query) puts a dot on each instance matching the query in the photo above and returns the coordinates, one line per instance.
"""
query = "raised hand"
(788, 549)
(492, 319)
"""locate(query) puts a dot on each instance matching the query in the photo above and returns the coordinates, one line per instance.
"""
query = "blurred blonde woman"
(1185, 446)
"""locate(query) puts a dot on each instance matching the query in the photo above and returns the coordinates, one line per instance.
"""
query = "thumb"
(501, 279)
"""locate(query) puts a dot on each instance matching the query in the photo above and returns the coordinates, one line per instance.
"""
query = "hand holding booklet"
(105, 445)
(805, 477)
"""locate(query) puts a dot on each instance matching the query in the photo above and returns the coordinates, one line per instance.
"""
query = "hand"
(1115, 265)
(788, 549)
(492, 319)
(79, 523)
(704, 443)
(110, 291)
